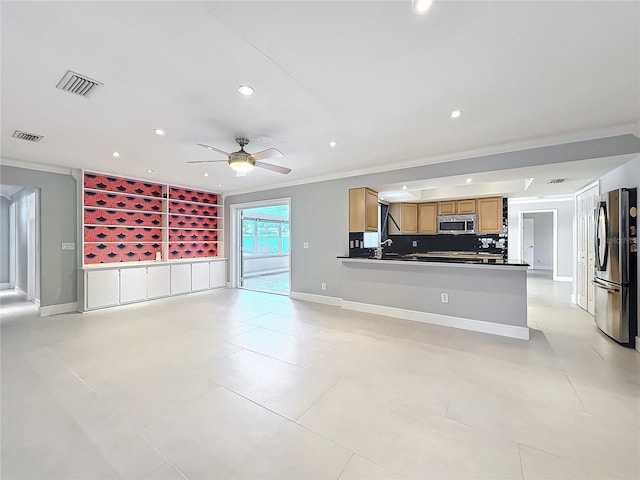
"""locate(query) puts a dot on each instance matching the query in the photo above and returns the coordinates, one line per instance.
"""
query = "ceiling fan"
(243, 162)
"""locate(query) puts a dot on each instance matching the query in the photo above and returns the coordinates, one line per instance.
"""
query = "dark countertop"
(410, 259)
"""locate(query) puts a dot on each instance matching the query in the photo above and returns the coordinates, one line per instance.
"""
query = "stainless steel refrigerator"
(615, 277)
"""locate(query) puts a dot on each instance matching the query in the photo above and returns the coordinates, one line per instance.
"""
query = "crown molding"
(9, 162)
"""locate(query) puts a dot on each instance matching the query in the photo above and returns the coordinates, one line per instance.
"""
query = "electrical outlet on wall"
(444, 297)
(415, 243)
(323, 286)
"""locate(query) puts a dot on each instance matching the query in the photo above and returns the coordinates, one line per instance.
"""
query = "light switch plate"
(415, 243)
(305, 245)
(68, 246)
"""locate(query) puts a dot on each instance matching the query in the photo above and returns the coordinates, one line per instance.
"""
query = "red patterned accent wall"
(124, 220)
(193, 223)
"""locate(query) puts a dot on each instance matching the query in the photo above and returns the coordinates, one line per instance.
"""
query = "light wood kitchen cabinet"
(447, 208)
(406, 217)
(457, 207)
(466, 207)
(363, 210)
(428, 218)
(489, 215)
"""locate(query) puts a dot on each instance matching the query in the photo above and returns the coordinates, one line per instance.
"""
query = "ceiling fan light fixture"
(420, 7)
(241, 164)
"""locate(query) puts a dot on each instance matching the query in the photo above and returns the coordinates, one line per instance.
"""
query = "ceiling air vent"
(29, 137)
(557, 180)
(73, 82)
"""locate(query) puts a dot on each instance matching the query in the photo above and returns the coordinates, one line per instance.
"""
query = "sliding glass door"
(265, 249)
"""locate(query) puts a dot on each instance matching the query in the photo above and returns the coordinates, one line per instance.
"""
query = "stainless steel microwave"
(457, 223)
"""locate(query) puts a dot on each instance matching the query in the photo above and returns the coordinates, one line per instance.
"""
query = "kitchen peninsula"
(482, 297)
(456, 280)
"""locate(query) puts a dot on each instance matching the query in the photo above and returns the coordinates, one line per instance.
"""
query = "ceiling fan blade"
(209, 147)
(268, 153)
(241, 174)
(273, 168)
(205, 161)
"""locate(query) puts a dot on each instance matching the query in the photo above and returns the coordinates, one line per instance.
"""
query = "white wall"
(565, 217)
(542, 240)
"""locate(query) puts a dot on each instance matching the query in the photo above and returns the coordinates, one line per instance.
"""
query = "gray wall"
(58, 223)
(625, 176)
(566, 213)
(319, 211)
(4, 240)
(542, 240)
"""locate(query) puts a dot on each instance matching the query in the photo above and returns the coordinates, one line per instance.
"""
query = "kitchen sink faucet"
(378, 254)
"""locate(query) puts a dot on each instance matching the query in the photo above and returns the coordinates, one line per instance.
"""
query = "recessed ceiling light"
(115, 154)
(219, 184)
(245, 90)
(420, 7)
(404, 187)
(149, 170)
(333, 143)
(205, 174)
(455, 113)
(159, 131)
(468, 180)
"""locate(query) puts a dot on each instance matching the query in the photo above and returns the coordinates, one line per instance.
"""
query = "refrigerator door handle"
(604, 286)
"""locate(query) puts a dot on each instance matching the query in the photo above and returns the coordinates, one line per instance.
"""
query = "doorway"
(538, 240)
(20, 245)
(263, 247)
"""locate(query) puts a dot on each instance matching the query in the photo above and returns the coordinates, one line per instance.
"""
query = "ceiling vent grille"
(73, 82)
(29, 137)
(557, 180)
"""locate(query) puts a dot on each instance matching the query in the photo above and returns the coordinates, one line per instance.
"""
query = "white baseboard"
(36, 302)
(638, 344)
(4, 286)
(19, 290)
(573, 298)
(60, 308)
(443, 320)
(563, 279)
(311, 297)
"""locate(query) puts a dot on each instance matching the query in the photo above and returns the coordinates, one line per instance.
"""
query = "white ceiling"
(370, 75)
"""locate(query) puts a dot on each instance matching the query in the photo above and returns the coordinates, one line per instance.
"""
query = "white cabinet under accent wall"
(111, 285)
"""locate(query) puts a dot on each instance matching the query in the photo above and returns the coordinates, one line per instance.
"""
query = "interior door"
(527, 242)
(583, 279)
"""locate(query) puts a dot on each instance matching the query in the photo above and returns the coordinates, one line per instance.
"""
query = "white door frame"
(236, 240)
(554, 235)
(12, 245)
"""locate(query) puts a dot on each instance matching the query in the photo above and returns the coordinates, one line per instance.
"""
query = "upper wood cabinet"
(489, 215)
(363, 210)
(428, 218)
(447, 208)
(461, 207)
(405, 216)
(466, 207)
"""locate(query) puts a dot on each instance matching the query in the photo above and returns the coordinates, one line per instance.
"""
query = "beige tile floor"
(240, 384)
